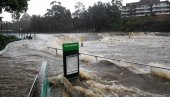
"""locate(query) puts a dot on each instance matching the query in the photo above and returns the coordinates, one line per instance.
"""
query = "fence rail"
(40, 83)
(33, 87)
(119, 60)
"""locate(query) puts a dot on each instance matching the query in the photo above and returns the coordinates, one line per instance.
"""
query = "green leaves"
(145, 24)
(4, 40)
(14, 6)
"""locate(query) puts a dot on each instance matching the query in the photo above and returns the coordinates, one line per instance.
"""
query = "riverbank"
(4, 40)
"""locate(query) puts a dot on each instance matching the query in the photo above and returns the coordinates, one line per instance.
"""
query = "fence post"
(96, 58)
(56, 51)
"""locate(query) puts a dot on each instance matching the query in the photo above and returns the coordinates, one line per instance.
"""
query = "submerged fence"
(119, 60)
(19, 35)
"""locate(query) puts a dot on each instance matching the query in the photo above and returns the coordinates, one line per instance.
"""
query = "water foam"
(160, 72)
(95, 87)
(56, 41)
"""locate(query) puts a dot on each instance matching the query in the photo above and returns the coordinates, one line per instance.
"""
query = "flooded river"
(23, 60)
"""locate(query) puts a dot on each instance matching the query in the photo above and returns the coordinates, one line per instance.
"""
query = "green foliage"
(102, 15)
(97, 18)
(4, 40)
(14, 6)
(145, 24)
(57, 19)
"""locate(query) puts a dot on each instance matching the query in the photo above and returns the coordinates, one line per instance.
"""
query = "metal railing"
(119, 60)
(31, 92)
(40, 84)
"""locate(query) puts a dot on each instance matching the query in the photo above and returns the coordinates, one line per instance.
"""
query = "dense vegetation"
(14, 6)
(4, 40)
(146, 24)
(100, 17)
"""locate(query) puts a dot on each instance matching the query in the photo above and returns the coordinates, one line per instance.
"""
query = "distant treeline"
(145, 24)
(101, 17)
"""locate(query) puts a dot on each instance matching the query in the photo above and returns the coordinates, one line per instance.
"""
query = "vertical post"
(82, 39)
(1, 26)
(96, 58)
(7, 26)
(56, 51)
(1, 23)
(129, 34)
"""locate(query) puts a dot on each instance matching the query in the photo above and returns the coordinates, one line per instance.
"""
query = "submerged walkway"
(19, 66)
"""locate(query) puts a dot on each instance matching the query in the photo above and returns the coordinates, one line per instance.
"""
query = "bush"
(4, 40)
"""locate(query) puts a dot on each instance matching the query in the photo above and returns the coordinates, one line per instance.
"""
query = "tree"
(14, 6)
(56, 19)
(79, 9)
(36, 23)
(102, 15)
(24, 23)
(80, 17)
(117, 3)
(60, 17)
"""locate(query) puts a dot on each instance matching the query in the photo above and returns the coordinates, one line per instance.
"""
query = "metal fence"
(119, 60)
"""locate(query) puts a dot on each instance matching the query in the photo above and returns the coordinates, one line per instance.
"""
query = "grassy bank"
(4, 40)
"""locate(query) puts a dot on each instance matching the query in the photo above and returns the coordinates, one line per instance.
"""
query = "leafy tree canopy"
(79, 9)
(14, 6)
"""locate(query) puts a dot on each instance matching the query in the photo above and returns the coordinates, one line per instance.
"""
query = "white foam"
(43, 41)
(160, 72)
(4, 50)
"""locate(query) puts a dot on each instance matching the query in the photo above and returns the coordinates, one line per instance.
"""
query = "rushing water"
(146, 49)
(118, 78)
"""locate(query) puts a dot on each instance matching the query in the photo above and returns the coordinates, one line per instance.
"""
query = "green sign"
(71, 60)
(70, 46)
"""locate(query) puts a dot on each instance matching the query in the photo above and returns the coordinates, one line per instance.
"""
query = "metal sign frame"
(70, 50)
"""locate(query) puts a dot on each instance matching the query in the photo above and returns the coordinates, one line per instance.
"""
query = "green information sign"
(71, 60)
(70, 46)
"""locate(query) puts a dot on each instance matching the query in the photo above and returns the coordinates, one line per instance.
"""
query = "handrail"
(96, 56)
(40, 77)
(33, 87)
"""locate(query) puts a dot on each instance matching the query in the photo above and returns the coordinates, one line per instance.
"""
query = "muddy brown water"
(20, 64)
(146, 82)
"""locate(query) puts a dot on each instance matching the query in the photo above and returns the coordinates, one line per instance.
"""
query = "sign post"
(71, 60)
(1, 23)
